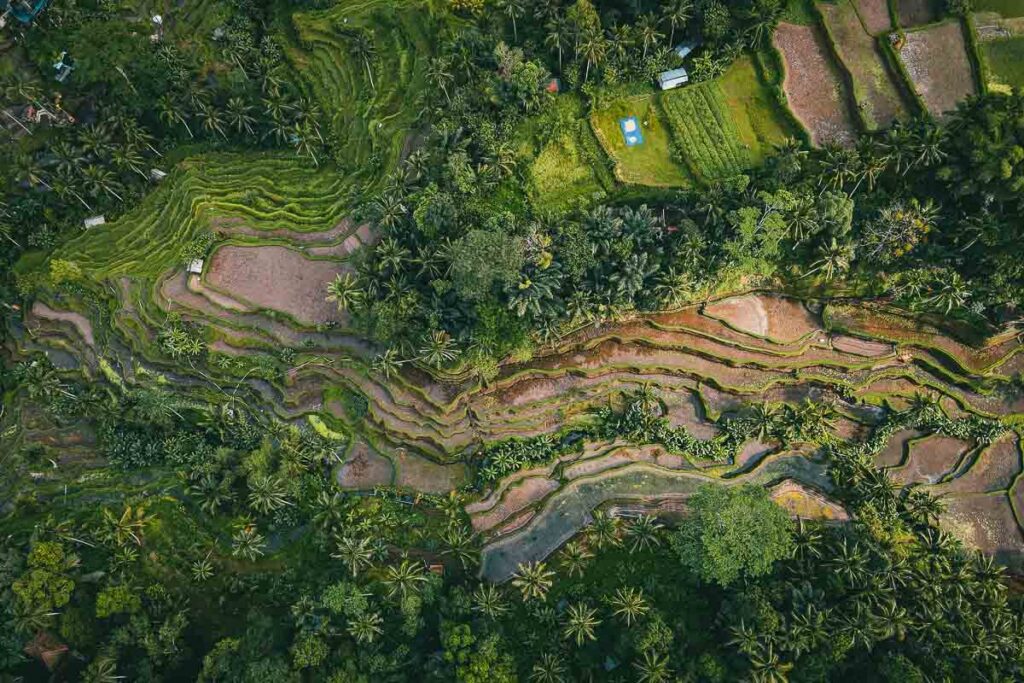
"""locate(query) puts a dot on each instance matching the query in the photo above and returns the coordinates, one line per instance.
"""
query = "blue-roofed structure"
(22, 10)
(685, 48)
(631, 132)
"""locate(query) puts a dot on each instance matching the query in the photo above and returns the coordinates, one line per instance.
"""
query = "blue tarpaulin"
(631, 132)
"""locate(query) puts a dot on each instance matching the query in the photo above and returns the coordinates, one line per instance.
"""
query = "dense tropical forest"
(355, 341)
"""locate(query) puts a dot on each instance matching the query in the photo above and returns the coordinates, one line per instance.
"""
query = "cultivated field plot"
(754, 110)
(651, 163)
(874, 87)
(705, 132)
(875, 15)
(814, 86)
(936, 60)
(1001, 44)
(277, 279)
(772, 317)
(917, 12)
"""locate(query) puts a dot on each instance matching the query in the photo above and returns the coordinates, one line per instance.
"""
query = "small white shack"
(195, 266)
(94, 221)
(673, 79)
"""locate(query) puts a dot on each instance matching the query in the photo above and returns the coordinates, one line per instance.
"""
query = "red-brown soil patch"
(237, 226)
(195, 284)
(276, 278)
(418, 473)
(364, 469)
(875, 89)
(77, 320)
(516, 498)
(751, 453)
(994, 469)
(986, 522)
(806, 503)
(916, 12)
(875, 15)
(930, 459)
(814, 86)
(689, 413)
(936, 60)
(777, 318)
(896, 450)
(861, 347)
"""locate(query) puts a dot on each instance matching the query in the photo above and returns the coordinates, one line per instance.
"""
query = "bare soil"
(875, 15)
(930, 459)
(916, 12)
(418, 473)
(814, 86)
(861, 347)
(986, 522)
(516, 498)
(994, 469)
(276, 278)
(875, 89)
(936, 60)
(77, 320)
(777, 318)
(896, 450)
(364, 469)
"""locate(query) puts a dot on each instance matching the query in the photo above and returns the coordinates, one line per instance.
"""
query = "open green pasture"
(1005, 58)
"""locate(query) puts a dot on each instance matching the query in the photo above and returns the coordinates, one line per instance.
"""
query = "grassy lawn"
(652, 162)
(1007, 8)
(1005, 61)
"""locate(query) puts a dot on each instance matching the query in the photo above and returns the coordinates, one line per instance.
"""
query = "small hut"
(667, 80)
(94, 221)
(195, 266)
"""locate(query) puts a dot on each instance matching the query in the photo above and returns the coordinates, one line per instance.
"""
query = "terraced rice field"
(913, 13)
(875, 88)
(371, 101)
(936, 60)
(813, 85)
(874, 14)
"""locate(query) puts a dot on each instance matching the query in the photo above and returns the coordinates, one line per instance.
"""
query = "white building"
(94, 221)
(673, 79)
(195, 267)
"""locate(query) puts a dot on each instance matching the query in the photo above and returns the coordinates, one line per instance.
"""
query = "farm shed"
(195, 266)
(674, 78)
(94, 221)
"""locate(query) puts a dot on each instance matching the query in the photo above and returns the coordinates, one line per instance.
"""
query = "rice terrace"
(492, 340)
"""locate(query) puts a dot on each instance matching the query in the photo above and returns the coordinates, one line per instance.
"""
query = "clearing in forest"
(560, 175)
(936, 60)
(277, 279)
(874, 87)
(652, 163)
(814, 86)
(917, 12)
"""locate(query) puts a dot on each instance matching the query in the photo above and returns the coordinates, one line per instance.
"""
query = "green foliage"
(733, 533)
(46, 585)
(703, 126)
(119, 599)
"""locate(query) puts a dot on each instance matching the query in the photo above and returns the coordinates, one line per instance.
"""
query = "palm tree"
(833, 259)
(643, 533)
(103, 669)
(548, 669)
(593, 48)
(28, 170)
(581, 621)
(248, 542)
(603, 530)
(647, 29)
(364, 49)
(512, 8)
(267, 493)
(127, 158)
(533, 579)
(487, 600)
(765, 666)
(211, 119)
(301, 134)
(653, 668)
(676, 13)
(365, 627)
(439, 74)
(574, 557)
(557, 37)
(202, 570)
(460, 545)
(98, 180)
(239, 115)
(171, 110)
(213, 493)
(355, 553)
(439, 348)
(404, 578)
(629, 603)
(387, 363)
(95, 141)
(126, 527)
(344, 290)
(952, 293)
